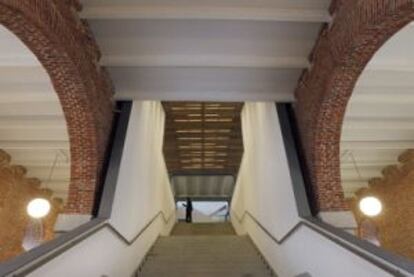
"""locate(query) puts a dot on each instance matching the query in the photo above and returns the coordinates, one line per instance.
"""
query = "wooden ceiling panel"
(203, 137)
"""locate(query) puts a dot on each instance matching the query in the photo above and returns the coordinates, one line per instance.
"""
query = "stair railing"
(396, 265)
(33, 259)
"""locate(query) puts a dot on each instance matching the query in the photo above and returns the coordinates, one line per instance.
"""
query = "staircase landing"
(202, 229)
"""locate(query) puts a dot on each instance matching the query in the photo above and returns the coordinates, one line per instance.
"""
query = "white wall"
(308, 251)
(143, 185)
(263, 186)
(264, 189)
(143, 189)
(101, 255)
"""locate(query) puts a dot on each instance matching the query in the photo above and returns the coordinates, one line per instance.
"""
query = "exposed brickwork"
(64, 45)
(16, 191)
(359, 28)
(396, 191)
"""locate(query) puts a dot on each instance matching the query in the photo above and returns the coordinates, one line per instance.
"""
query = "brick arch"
(344, 47)
(65, 47)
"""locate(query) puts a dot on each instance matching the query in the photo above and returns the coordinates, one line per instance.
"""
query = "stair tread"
(202, 256)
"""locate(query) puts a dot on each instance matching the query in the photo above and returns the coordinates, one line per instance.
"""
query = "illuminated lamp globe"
(38, 208)
(370, 206)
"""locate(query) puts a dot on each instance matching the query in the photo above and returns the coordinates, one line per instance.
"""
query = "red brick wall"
(64, 45)
(16, 190)
(358, 29)
(395, 189)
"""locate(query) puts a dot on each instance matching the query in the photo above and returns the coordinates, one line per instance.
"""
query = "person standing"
(188, 210)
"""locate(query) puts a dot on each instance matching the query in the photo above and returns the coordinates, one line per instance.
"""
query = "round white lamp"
(38, 208)
(370, 206)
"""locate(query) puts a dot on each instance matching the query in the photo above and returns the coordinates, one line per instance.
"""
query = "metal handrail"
(396, 265)
(143, 229)
(321, 228)
(75, 237)
(29, 261)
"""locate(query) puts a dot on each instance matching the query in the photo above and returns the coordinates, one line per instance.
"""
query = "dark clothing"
(188, 217)
(189, 211)
(189, 206)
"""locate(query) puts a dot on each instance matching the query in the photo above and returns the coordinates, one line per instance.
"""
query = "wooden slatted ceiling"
(203, 137)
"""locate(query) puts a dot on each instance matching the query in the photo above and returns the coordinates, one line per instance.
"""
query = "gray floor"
(204, 255)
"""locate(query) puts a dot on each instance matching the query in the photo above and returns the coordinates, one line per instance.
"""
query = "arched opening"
(344, 48)
(34, 149)
(340, 55)
(269, 203)
(56, 118)
(377, 140)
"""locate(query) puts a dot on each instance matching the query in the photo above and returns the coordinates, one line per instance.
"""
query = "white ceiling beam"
(370, 162)
(29, 134)
(34, 145)
(41, 108)
(381, 90)
(376, 145)
(363, 172)
(34, 89)
(32, 128)
(204, 61)
(383, 95)
(63, 181)
(30, 163)
(60, 174)
(63, 194)
(371, 158)
(223, 96)
(369, 135)
(356, 179)
(23, 74)
(360, 123)
(375, 164)
(125, 11)
(386, 78)
(34, 156)
(33, 122)
(389, 65)
(381, 110)
(10, 97)
(204, 84)
(60, 186)
(18, 60)
(352, 186)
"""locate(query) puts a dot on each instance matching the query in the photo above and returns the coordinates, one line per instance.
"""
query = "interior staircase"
(204, 255)
(203, 229)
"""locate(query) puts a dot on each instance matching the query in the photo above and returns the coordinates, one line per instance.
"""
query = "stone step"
(217, 263)
(206, 274)
(241, 255)
(206, 250)
(203, 255)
